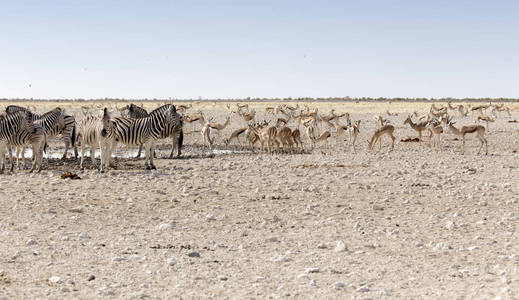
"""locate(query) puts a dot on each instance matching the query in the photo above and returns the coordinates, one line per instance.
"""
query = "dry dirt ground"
(328, 224)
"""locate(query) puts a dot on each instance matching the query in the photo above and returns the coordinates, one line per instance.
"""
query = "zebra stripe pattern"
(67, 130)
(128, 131)
(89, 133)
(171, 130)
(17, 129)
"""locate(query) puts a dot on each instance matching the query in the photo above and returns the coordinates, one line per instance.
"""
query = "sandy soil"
(407, 224)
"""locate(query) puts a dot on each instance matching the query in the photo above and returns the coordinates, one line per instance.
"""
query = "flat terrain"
(404, 224)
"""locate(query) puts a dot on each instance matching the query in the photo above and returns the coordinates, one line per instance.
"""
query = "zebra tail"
(73, 137)
(45, 144)
(181, 138)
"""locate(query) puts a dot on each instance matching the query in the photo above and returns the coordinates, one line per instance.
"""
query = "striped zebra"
(67, 130)
(133, 132)
(88, 134)
(18, 130)
(135, 112)
(171, 130)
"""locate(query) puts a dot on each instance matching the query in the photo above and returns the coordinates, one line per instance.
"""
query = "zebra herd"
(20, 128)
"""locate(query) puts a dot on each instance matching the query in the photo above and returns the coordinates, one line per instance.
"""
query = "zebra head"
(107, 126)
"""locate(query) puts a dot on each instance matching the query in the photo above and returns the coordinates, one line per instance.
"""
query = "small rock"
(272, 240)
(118, 259)
(171, 261)
(507, 185)
(165, 226)
(451, 225)
(84, 235)
(312, 282)
(339, 285)
(322, 246)
(193, 254)
(312, 270)
(281, 258)
(65, 290)
(303, 276)
(222, 277)
(54, 279)
(31, 242)
(363, 289)
(91, 277)
(76, 210)
(377, 207)
(341, 246)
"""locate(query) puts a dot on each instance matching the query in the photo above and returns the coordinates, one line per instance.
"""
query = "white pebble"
(31, 242)
(341, 246)
(339, 284)
(312, 270)
(54, 279)
(165, 226)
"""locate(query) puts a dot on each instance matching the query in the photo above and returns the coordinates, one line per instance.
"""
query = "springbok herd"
(278, 129)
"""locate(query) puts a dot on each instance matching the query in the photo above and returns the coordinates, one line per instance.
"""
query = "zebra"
(89, 133)
(135, 112)
(17, 129)
(67, 130)
(174, 131)
(129, 131)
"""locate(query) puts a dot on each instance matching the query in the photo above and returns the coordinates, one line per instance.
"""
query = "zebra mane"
(51, 112)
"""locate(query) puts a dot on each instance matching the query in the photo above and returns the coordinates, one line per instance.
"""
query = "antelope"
(353, 132)
(235, 135)
(266, 134)
(379, 119)
(183, 108)
(248, 116)
(296, 136)
(390, 114)
(418, 127)
(478, 129)
(436, 130)
(284, 137)
(241, 106)
(486, 119)
(339, 130)
(480, 108)
(281, 121)
(322, 137)
(219, 126)
(206, 135)
(386, 129)
(292, 108)
(500, 108)
(441, 109)
(460, 108)
(328, 119)
(195, 117)
(270, 110)
(252, 133)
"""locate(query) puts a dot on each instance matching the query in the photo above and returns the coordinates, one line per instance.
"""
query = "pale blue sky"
(232, 49)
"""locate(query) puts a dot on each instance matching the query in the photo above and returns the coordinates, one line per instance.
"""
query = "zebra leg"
(180, 142)
(104, 149)
(139, 153)
(17, 154)
(11, 158)
(2, 157)
(35, 154)
(67, 144)
(149, 156)
(174, 144)
(83, 155)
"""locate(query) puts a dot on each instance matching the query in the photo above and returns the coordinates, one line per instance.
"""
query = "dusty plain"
(329, 224)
